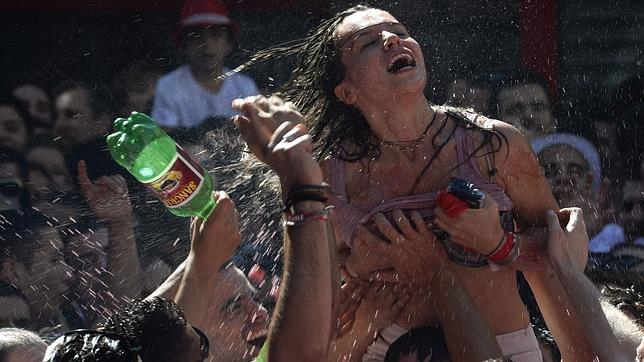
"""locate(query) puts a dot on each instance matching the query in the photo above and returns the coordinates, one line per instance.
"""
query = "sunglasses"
(204, 345)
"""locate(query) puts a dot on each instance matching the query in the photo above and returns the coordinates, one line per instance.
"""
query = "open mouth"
(400, 63)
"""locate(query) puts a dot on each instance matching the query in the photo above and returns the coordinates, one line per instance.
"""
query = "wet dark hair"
(334, 124)
(628, 300)
(93, 346)
(156, 325)
(426, 342)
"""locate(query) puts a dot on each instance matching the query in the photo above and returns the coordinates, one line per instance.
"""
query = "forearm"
(196, 289)
(585, 299)
(468, 336)
(124, 270)
(168, 289)
(559, 315)
(302, 323)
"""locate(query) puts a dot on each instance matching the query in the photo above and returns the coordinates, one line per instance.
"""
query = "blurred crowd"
(80, 239)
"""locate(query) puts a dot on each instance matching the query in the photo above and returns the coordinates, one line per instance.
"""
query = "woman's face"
(380, 58)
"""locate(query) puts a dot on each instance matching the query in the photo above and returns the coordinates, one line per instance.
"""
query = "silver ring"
(288, 138)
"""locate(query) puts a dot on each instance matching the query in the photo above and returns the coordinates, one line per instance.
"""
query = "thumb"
(576, 219)
(553, 222)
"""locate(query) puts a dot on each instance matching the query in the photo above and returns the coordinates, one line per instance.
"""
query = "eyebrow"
(355, 35)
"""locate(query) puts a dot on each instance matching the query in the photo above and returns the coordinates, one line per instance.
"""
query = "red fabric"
(504, 250)
(256, 274)
(539, 39)
(197, 7)
(451, 205)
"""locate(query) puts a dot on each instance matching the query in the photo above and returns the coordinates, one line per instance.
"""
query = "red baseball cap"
(203, 13)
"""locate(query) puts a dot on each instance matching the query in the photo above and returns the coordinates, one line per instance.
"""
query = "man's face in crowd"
(46, 281)
(206, 47)
(51, 177)
(236, 319)
(11, 186)
(632, 213)
(36, 101)
(527, 107)
(13, 129)
(76, 121)
(567, 173)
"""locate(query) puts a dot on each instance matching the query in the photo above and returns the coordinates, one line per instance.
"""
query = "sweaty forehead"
(354, 23)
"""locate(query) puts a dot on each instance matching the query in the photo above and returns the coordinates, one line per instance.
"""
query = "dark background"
(584, 48)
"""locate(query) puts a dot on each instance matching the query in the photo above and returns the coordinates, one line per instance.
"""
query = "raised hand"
(216, 239)
(567, 247)
(414, 251)
(107, 196)
(275, 133)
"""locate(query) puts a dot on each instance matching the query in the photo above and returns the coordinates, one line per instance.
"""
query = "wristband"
(498, 246)
(304, 218)
(504, 250)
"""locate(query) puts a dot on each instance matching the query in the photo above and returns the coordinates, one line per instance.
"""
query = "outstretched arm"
(213, 242)
(301, 325)
(585, 298)
(109, 200)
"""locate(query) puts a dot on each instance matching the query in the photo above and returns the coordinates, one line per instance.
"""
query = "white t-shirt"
(181, 102)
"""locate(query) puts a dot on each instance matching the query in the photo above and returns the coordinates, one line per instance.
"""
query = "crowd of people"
(336, 238)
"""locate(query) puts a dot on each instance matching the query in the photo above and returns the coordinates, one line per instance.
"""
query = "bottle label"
(179, 183)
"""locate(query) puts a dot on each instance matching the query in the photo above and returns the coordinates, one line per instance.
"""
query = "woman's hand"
(276, 135)
(478, 229)
(413, 251)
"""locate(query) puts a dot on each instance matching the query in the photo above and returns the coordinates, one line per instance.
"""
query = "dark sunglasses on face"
(204, 344)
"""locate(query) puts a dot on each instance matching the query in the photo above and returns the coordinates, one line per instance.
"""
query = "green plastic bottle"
(154, 159)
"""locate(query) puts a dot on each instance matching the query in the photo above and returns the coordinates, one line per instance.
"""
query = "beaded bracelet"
(303, 218)
(305, 193)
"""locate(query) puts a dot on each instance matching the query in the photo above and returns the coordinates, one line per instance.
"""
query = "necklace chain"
(409, 146)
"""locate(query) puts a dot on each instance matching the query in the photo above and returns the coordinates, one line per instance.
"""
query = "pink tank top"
(348, 217)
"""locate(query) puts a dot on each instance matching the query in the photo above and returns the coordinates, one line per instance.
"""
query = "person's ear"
(13, 272)
(345, 94)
